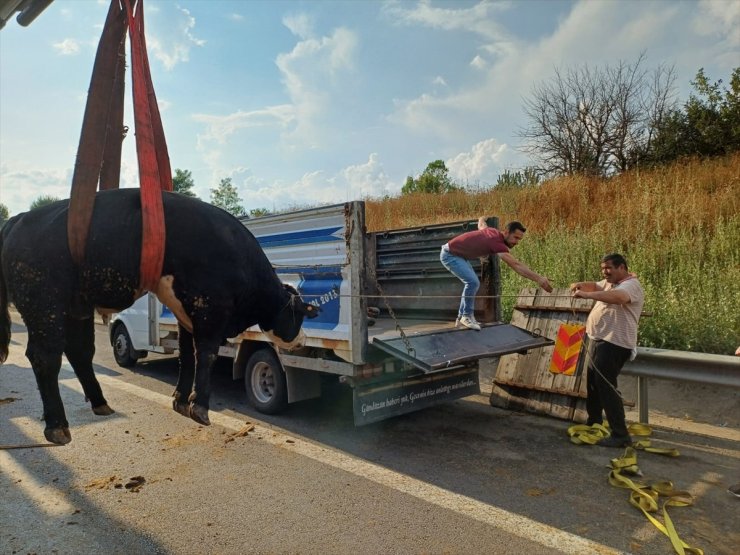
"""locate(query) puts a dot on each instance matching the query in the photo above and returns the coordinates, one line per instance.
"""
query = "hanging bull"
(216, 280)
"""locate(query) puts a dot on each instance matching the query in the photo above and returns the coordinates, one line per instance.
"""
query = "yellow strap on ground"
(644, 496)
(645, 445)
(581, 434)
(627, 462)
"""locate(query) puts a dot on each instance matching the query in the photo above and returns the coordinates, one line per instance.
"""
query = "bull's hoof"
(103, 410)
(199, 414)
(181, 408)
(60, 436)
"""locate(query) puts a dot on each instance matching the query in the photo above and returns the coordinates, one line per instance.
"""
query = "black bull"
(215, 278)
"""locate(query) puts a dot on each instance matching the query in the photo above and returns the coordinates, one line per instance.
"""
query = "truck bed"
(385, 328)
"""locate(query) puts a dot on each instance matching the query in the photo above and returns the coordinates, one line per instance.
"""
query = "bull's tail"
(4, 313)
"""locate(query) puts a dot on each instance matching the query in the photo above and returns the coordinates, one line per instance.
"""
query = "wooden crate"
(523, 381)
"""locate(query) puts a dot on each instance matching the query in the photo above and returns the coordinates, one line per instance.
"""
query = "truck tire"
(123, 350)
(264, 381)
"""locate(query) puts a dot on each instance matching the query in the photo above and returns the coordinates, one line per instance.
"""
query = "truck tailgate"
(439, 349)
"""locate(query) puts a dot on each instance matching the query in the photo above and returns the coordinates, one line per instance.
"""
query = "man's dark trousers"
(605, 361)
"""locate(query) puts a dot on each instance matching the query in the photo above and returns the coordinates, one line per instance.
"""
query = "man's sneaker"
(472, 319)
(469, 323)
(614, 441)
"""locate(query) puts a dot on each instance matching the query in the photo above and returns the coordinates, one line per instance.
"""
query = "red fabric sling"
(99, 151)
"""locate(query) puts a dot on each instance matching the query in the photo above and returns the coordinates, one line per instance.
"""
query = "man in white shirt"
(612, 333)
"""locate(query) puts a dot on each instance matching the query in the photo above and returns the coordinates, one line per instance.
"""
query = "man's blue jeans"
(463, 270)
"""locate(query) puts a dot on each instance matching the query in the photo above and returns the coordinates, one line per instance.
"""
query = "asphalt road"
(458, 478)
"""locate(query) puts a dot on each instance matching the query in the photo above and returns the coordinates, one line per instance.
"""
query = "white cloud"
(310, 73)
(67, 47)
(479, 19)
(219, 128)
(591, 33)
(366, 180)
(439, 80)
(170, 37)
(429, 114)
(720, 18)
(354, 182)
(21, 187)
(482, 164)
(301, 25)
(310, 189)
(236, 17)
(478, 62)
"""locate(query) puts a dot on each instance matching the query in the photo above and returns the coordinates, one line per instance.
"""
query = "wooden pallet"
(523, 381)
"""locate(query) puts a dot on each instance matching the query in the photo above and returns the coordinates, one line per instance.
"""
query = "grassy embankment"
(678, 226)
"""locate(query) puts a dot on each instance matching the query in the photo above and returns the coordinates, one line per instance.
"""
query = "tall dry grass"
(678, 226)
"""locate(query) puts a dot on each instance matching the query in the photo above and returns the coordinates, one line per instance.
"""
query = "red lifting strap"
(99, 151)
(100, 131)
(151, 149)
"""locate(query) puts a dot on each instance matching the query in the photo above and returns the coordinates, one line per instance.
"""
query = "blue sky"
(308, 102)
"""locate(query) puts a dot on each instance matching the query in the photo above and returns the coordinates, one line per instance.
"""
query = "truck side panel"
(317, 252)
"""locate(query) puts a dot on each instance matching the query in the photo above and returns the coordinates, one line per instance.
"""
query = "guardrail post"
(642, 399)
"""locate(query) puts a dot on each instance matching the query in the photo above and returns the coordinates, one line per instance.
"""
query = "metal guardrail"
(664, 364)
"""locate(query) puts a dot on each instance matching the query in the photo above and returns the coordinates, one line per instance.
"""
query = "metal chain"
(409, 349)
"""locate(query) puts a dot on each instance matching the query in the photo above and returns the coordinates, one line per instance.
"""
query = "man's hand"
(545, 284)
(482, 223)
(584, 287)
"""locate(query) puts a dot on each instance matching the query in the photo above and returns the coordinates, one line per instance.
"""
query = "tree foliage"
(4, 214)
(182, 182)
(434, 179)
(43, 200)
(257, 212)
(226, 196)
(708, 124)
(597, 120)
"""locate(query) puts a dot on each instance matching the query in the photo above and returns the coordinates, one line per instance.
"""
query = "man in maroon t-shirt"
(485, 241)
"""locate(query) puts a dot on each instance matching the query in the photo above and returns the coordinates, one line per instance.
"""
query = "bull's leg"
(80, 348)
(44, 351)
(206, 354)
(186, 362)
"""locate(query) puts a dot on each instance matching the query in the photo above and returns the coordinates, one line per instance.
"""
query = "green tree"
(43, 200)
(257, 212)
(4, 214)
(434, 179)
(182, 182)
(226, 196)
(708, 124)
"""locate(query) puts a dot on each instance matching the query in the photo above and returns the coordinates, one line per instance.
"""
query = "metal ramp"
(441, 349)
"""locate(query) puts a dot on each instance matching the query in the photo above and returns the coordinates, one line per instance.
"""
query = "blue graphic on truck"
(321, 287)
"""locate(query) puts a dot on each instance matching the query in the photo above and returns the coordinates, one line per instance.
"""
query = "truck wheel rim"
(121, 345)
(263, 382)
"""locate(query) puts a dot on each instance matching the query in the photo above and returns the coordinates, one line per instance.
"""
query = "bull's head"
(286, 332)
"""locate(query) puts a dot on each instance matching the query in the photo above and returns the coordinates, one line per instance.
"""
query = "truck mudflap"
(436, 350)
(376, 402)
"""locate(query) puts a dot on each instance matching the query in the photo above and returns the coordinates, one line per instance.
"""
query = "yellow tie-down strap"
(643, 495)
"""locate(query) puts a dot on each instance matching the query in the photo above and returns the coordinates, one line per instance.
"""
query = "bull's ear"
(310, 311)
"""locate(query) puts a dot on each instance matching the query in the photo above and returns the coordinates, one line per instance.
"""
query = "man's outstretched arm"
(523, 270)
